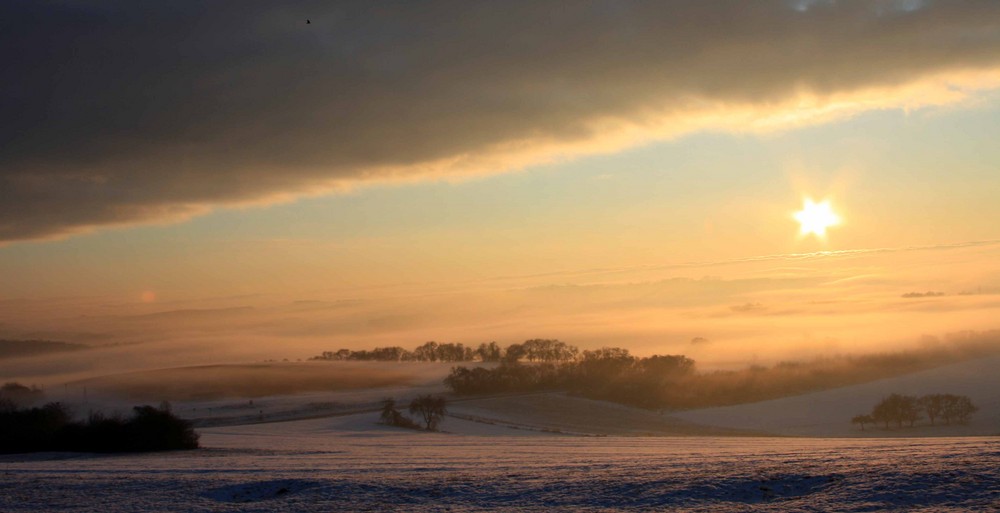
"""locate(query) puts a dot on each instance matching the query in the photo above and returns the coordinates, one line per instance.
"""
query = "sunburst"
(815, 218)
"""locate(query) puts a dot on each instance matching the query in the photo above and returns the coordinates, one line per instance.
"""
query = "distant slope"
(828, 413)
(562, 413)
(539, 414)
(248, 380)
(20, 348)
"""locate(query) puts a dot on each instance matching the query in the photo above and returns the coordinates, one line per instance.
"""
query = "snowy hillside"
(828, 413)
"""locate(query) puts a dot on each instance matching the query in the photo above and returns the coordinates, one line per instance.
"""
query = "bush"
(392, 417)
(50, 428)
(32, 429)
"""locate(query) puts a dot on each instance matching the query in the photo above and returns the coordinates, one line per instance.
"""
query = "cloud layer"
(126, 112)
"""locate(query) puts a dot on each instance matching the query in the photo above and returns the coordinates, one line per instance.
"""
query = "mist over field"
(761, 311)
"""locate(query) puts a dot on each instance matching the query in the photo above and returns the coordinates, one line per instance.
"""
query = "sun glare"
(815, 218)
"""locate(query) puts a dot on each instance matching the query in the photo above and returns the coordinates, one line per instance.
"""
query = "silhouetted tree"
(489, 352)
(905, 408)
(430, 408)
(158, 429)
(932, 405)
(909, 409)
(451, 353)
(389, 411)
(862, 420)
(339, 355)
(50, 428)
(391, 416)
(895, 408)
(514, 353)
(605, 363)
(548, 350)
(668, 365)
(958, 408)
(426, 352)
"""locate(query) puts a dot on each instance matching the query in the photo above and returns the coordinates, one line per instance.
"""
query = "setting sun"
(815, 218)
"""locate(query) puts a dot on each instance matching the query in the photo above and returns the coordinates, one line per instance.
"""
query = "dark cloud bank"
(124, 112)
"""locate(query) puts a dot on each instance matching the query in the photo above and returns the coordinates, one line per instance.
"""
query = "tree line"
(609, 373)
(671, 381)
(534, 350)
(664, 381)
(899, 409)
(52, 428)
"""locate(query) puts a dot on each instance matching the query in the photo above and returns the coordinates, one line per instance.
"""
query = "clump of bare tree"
(861, 420)
(391, 416)
(609, 373)
(431, 410)
(901, 409)
(948, 407)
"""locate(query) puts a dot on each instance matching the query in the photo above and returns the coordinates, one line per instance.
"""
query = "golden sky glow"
(236, 184)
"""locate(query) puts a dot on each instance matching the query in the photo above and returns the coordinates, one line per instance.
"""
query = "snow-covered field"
(541, 452)
(349, 464)
(828, 413)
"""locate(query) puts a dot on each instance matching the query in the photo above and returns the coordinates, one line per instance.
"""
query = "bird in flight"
(308, 22)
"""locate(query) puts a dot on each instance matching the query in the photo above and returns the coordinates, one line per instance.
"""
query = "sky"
(230, 182)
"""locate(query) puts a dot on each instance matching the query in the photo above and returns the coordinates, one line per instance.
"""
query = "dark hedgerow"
(50, 428)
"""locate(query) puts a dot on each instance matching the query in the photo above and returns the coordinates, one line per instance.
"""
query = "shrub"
(390, 416)
(50, 428)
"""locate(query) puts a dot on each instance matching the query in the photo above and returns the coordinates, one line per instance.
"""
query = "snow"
(349, 463)
(828, 413)
(540, 452)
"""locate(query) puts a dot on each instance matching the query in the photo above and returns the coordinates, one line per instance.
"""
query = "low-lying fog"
(722, 314)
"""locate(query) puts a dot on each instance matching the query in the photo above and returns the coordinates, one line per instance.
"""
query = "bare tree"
(489, 352)
(862, 420)
(389, 412)
(514, 353)
(391, 416)
(909, 410)
(897, 408)
(958, 408)
(430, 408)
(933, 406)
